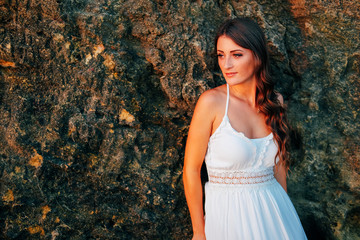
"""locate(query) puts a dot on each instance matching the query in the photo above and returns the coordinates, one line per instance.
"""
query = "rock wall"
(96, 97)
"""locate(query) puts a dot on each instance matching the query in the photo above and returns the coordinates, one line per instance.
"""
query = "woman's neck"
(245, 91)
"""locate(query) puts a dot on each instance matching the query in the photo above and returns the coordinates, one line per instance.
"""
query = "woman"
(241, 130)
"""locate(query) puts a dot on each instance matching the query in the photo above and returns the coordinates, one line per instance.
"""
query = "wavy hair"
(248, 34)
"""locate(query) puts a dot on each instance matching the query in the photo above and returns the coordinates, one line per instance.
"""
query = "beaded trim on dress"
(240, 177)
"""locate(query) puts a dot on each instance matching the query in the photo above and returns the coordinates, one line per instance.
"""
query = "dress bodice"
(229, 149)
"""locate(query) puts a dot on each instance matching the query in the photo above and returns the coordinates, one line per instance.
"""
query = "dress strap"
(227, 99)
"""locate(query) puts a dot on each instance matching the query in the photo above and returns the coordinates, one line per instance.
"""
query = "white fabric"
(243, 200)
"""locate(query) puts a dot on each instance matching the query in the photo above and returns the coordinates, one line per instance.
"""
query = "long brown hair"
(247, 34)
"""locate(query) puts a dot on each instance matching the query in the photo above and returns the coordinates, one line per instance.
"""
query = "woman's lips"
(230, 74)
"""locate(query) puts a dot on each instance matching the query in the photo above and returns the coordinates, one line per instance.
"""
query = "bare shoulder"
(212, 98)
(210, 103)
(280, 98)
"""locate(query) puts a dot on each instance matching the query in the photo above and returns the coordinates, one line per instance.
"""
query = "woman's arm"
(280, 170)
(196, 146)
(280, 174)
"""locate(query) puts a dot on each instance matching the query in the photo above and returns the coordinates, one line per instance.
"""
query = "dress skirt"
(255, 211)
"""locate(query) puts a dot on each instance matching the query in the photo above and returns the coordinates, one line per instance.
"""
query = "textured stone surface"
(96, 98)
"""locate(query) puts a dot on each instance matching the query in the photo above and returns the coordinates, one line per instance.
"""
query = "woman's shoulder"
(214, 94)
(212, 97)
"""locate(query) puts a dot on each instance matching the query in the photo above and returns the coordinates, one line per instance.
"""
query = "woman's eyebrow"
(235, 50)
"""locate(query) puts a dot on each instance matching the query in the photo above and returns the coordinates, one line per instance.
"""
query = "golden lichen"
(72, 129)
(58, 37)
(17, 170)
(36, 160)
(93, 160)
(36, 229)
(45, 210)
(4, 63)
(67, 45)
(126, 116)
(98, 49)
(88, 58)
(109, 62)
(8, 196)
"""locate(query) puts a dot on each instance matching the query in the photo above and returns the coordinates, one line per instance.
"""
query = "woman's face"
(237, 64)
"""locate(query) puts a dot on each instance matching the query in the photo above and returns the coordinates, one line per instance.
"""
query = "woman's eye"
(220, 55)
(237, 55)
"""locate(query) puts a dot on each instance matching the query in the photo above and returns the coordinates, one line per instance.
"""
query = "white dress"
(243, 200)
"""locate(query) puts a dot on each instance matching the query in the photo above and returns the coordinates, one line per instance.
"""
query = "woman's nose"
(228, 63)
